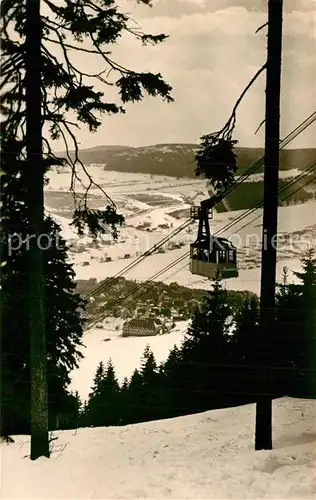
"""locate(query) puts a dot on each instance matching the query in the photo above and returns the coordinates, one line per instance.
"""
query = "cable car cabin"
(215, 259)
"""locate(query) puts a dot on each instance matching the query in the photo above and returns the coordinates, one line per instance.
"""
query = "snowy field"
(204, 456)
(125, 352)
(153, 207)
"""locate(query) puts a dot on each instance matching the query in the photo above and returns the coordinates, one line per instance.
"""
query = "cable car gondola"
(210, 256)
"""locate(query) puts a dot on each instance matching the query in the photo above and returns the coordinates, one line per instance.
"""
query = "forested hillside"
(178, 159)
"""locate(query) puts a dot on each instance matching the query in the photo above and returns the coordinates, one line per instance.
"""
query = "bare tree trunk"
(263, 438)
(34, 182)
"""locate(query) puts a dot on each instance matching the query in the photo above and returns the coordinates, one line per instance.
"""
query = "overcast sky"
(210, 56)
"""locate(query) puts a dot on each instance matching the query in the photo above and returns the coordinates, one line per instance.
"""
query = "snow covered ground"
(208, 455)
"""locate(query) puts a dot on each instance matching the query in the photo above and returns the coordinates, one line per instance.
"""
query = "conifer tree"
(97, 380)
(296, 336)
(71, 415)
(308, 349)
(150, 385)
(124, 384)
(134, 408)
(93, 413)
(110, 390)
(210, 320)
(247, 322)
(205, 351)
(39, 87)
(124, 402)
(244, 349)
(63, 321)
(173, 358)
(148, 367)
(103, 407)
(288, 319)
(172, 384)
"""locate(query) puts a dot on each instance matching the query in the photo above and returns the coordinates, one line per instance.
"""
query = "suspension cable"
(298, 130)
(306, 172)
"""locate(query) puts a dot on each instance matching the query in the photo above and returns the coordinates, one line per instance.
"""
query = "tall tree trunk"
(263, 439)
(34, 181)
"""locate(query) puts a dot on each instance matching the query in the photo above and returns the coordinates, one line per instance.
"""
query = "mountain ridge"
(178, 159)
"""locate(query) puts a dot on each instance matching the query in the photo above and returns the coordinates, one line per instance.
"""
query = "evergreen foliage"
(173, 380)
(245, 349)
(246, 329)
(70, 96)
(97, 381)
(110, 391)
(150, 386)
(134, 401)
(64, 89)
(217, 161)
(103, 407)
(63, 321)
(296, 331)
(205, 351)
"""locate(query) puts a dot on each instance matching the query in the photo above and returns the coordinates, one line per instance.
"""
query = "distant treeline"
(178, 160)
(249, 194)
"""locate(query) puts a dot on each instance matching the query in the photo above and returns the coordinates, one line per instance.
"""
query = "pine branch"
(64, 87)
(216, 158)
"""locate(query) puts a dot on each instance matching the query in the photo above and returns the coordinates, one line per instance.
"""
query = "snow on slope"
(125, 353)
(208, 455)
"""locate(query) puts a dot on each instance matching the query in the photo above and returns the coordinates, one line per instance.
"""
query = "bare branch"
(228, 128)
(72, 47)
(91, 181)
(261, 27)
(98, 76)
(263, 121)
(71, 163)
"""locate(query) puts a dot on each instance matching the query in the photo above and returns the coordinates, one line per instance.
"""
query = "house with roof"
(138, 327)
